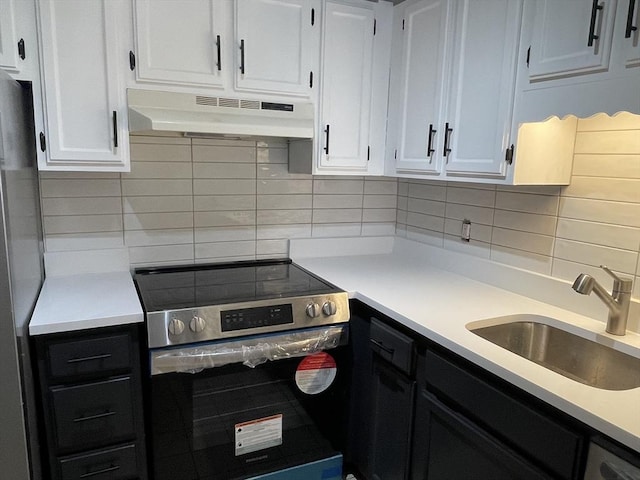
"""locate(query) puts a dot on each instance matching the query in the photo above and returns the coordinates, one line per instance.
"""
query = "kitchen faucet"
(618, 302)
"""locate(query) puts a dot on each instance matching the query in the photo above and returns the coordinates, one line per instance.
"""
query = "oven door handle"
(251, 351)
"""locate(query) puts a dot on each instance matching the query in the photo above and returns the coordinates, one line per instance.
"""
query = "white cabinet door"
(426, 32)
(571, 37)
(85, 103)
(346, 86)
(9, 57)
(180, 41)
(630, 12)
(482, 83)
(276, 44)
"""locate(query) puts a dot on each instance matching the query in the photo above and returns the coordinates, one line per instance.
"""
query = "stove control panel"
(245, 318)
(193, 325)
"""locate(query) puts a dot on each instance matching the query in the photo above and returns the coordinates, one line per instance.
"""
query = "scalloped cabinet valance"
(546, 149)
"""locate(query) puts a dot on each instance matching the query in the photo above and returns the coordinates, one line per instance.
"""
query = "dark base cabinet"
(90, 385)
(468, 427)
(383, 389)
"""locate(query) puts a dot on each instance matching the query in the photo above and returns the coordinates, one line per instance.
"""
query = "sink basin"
(568, 354)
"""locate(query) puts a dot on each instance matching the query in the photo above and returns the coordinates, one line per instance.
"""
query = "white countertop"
(436, 303)
(92, 300)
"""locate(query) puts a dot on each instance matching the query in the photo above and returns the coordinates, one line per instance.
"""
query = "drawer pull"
(89, 359)
(112, 468)
(94, 417)
(381, 346)
(595, 8)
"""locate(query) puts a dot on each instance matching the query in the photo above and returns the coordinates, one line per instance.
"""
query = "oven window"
(235, 421)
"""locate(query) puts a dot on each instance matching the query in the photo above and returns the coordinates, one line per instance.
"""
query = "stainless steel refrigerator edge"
(21, 275)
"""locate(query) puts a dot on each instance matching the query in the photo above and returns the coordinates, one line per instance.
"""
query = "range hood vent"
(156, 111)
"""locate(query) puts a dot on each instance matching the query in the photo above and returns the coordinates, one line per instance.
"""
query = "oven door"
(246, 417)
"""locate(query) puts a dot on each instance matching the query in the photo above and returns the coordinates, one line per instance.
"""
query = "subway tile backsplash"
(558, 231)
(200, 200)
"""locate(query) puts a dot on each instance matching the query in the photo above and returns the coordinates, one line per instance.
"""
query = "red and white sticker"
(258, 434)
(316, 373)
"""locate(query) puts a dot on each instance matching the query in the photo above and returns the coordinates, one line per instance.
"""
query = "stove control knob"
(176, 326)
(313, 310)
(197, 324)
(329, 308)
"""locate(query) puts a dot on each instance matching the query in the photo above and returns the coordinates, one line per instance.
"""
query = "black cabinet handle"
(94, 417)
(112, 468)
(430, 150)
(242, 56)
(43, 142)
(592, 26)
(219, 64)
(326, 142)
(630, 26)
(447, 136)
(115, 129)
(88, 359)
(508, 157)
(382, 346)
(21, 51)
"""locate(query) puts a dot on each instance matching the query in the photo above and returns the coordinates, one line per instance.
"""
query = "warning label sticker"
(316, 373)
(258, 434)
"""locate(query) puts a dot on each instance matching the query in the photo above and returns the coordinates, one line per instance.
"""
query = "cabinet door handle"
(592, 26)
(21, 51)
(219, 64)
(630, 26)
(430, 150)
(242, 56)
(111, 468)
(88, 359)
(447, 137)
(382, 346)
(326, 141)
(94, 417)
(115, 129)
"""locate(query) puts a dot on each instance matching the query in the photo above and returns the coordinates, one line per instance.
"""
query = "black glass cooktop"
(191, 286)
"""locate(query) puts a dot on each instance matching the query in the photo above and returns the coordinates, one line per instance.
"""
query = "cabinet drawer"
(535, 434)
(93, 414)
(392, 345)
(93, 355)
(113, 464)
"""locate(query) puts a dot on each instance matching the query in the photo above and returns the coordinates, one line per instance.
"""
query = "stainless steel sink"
(568, 354)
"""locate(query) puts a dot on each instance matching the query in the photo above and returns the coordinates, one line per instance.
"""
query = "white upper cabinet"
(583, 59)
(181, 42)
(454, 89)
(571, 37)
(482, 84)
(9, 38)
(424, 38)
(85, 102)
(276, 45)
(346, 86)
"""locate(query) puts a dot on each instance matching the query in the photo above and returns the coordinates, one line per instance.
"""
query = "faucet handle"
(620, 284)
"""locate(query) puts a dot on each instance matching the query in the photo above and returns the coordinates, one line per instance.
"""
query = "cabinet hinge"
(509, 155)
(368, 153)
(528, 56)
(43, 142)
(313, 16)
(310, 79)
(374, 26)
(132, 60)
(21, 52)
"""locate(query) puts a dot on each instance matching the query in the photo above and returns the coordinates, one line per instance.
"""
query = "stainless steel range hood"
(157, 111)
